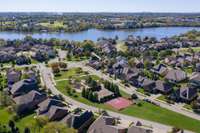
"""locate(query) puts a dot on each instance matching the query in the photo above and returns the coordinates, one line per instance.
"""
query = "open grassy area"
(162, 98)
(145, 111)
(69, 73)
(27, 121)
(73, 58)
(185, 50)
(121, 46)
(188, 106)
(56, 24)
(161, 115)
(75, 73)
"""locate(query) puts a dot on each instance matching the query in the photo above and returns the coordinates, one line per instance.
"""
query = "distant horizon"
(96, 12)
(110, 6)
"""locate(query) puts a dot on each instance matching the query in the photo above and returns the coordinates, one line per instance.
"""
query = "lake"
(94, 34)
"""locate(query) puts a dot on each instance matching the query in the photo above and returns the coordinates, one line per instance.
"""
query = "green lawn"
(184, 50)
(146, 111)
(162, 98)
(27, 121)
(75, 73)
(188, 106)
(121, 46)
(56, 24)
(188, 70)
(33, 61)
(73, 58)
(161, 115)
(69, 73)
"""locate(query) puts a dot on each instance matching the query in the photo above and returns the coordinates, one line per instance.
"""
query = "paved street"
(47, 77)
(131, 90)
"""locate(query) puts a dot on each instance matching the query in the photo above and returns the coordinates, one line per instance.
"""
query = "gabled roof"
(176, 75)
(188, 93)
(46, 104)
(139, 129)
(24, 86)
(56, 113)
(104, 93)
(159, 68)
(105, 124)
(29, 97)
(195, 76)
(77, 119)
(162, 86)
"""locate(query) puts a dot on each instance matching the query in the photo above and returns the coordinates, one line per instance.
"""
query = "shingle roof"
(104, 93)
(176, 75)
(195, 76)
(29, 97)
(56, 113)
(188, 93)
(105, 124)
(24, 86)
(46, 104)
(162, 86)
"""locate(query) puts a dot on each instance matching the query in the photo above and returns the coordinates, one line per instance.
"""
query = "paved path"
(48, 81)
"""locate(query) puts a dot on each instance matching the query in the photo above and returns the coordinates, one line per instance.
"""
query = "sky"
(100, 5)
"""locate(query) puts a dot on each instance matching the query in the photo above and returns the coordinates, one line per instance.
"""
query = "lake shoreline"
(94, 34)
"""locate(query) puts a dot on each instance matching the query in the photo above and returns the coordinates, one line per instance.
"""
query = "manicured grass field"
(74, 73)
(69, 73)
(161, 115)
(145, 111)
(162, 98)
(27, 121)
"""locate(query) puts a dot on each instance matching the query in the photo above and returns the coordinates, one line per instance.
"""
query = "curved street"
(48, 81)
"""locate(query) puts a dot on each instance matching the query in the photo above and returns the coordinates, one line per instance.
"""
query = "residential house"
(104, 95)
(147, 84)
(108, 124)
(6, 56)
(160, 69)
(46, 104)
(187, 94)
(197, 67)
(56, 113)
(29, 101)
(163, 87)
(139, 129)
(175, 75)
(195, 79)
(13, 76)
(23, 60)
(105, 124)
(79, 119)
(23, 87)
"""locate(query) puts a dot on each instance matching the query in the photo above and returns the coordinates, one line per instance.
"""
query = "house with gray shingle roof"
(79, 120)
(29, 101)
(175, 75)
(163, 87)
(105, 124)
(104, 95)
(56, 113)
(187, 94)
(195, 79)
(108, 124)
(13, 76)
(23, 87)
(160, 69)
(46, 104)
(139, 129)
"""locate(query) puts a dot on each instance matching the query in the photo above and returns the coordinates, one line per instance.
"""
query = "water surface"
(94, 34)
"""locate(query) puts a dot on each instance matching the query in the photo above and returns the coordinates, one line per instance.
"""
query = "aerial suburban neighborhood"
(99, 71)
